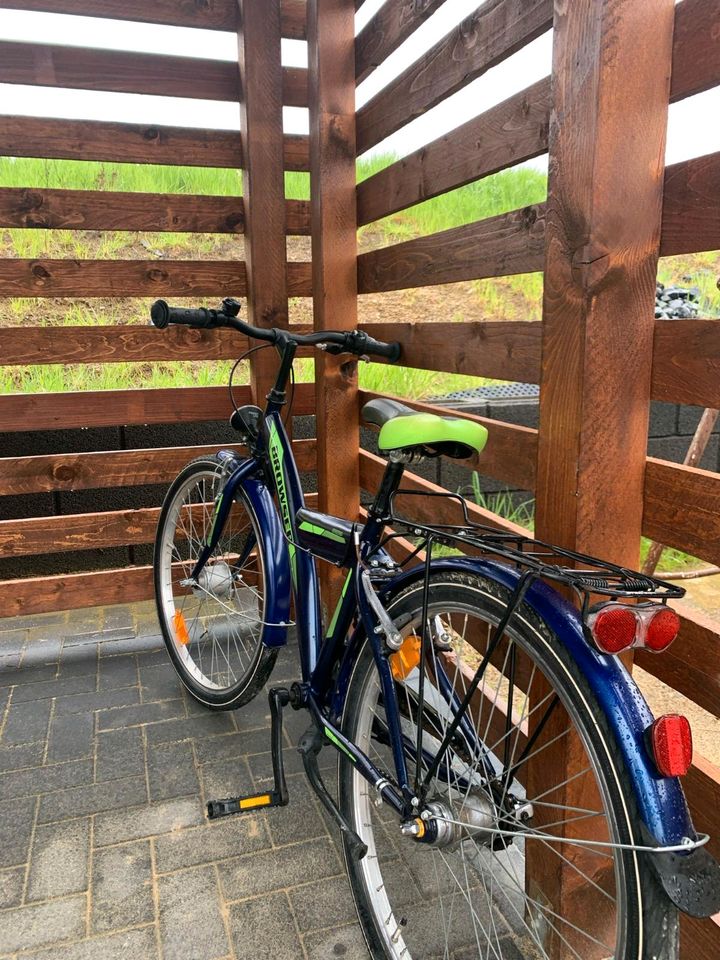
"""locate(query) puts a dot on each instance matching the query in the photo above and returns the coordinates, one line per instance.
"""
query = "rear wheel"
(213, 629)
(513, 871)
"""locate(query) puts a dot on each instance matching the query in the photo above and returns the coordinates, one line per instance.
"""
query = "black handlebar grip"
(161, 314)
(391, 351)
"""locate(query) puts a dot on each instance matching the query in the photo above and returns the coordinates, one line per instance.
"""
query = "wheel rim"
(470, 900)
(215, 628)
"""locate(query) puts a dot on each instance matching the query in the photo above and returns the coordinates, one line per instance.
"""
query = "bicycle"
(440, 681)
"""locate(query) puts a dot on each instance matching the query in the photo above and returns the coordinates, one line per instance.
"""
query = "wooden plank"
(702, 789)
(506, 350)
(133, 143)
(261, 131)
(116, 468)
(696, 48)
(216, 15)
(484, 39)
(681, 508)
(119, 71)
(135, 278)
(331, 41)
(699, 939)
(430, 509)
(509, 133)
(692, 664)
(392, 25)
(686, 362)
(107, 408)
(122, 343)
(500, 246)
(511, 449)
(603, 237)
(81, 531)
(26, 207)
(691, 206)
(79, 590)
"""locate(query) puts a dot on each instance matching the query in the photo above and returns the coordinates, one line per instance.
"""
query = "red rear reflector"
(662, 629)
(613, 628)
(671, 742)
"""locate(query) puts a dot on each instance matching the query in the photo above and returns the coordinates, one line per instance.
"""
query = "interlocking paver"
(16, 822)
(188, 728)
(59, 860)
(191, 923)
(11, 887)
(23, 928)
(95, 798)
(147, 821)
(139, 713)
(117, 672)
(264, 928)
(122, 894)
(211, 842)
(264, 872)
(26, 722)
(135, 944)
(171, 771)
(25, 755)
(159, 682)
(71, 737)
(36, 673)
(97, 701)
(344, 943)
(54, 688)
(57, 776)
(322, 903)
(119, 753)
(226, 778)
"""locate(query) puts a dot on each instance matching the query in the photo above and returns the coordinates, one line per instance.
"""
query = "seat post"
(380, 509)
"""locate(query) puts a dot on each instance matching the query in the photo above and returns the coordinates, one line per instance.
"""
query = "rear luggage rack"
(585, 574)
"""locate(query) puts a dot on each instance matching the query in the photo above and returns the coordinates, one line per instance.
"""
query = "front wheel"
(521, 861)
(213, 629)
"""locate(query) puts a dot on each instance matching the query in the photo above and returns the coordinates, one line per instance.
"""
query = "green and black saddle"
(424, 434)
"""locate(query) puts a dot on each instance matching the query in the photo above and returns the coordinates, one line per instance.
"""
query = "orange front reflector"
(181, 631)
(407, 657)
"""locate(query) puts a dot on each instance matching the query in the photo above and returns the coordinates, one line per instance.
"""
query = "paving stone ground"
(105, 768)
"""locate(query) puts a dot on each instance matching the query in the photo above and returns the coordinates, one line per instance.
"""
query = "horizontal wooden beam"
(136, 278)
(696, 48)
(218, 15)
(692, 664)
(115, 468)
(133, 143)
(484, 39)
(681, 508)
(509, 244)
(39, 208)
(691, 206)
(392, 25)
(123, 343)
(119, 71)
(511, 450)
(513, 131)
(686, 362)
(501, 349)
(699, 939)
(109, 408)
(702, 789)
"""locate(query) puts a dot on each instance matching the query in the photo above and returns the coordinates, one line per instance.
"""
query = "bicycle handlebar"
(335, 341)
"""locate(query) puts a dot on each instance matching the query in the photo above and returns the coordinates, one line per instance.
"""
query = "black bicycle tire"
(660, 940)
(262, 665)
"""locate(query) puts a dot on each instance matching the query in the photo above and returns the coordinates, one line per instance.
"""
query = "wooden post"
(331, 37)
(261, 132)
(611, 83)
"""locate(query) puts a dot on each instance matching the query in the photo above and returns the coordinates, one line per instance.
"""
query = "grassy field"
(518, 297)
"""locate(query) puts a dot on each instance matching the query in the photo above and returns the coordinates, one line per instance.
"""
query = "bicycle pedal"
(254, 801)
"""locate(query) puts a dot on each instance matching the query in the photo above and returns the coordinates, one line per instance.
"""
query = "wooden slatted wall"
(681, 504)
(206, 281)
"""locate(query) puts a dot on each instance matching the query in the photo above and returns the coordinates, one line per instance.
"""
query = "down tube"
(302, 564)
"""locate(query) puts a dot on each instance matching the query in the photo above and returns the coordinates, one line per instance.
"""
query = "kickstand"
(310, 745)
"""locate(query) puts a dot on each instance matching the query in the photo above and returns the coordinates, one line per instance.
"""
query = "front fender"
(275, 556)
(660, 799)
